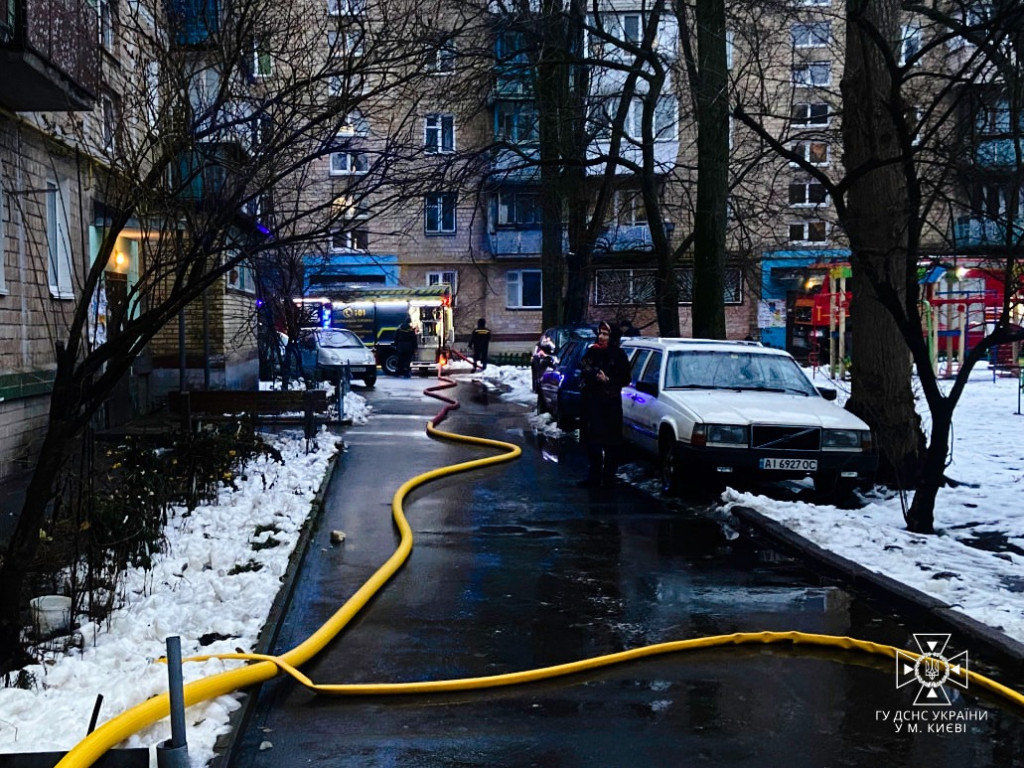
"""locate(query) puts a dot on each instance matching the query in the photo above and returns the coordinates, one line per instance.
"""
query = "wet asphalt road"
(514, 568)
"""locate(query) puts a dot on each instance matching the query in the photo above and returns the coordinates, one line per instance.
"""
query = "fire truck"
(374, 315)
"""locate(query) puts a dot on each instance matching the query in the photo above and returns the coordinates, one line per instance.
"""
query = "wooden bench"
(215, 404)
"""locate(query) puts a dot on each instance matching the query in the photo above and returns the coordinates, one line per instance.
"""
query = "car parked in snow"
(719, 411)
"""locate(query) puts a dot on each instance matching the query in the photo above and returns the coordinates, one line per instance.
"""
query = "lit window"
(813, 152)
(808, 232)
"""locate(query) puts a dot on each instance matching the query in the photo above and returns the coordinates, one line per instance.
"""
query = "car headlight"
(731, 435)
(846, 440)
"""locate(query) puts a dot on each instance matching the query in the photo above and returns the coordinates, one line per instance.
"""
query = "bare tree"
(921, 87)
(202, 152)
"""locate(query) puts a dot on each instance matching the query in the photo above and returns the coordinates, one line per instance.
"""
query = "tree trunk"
(713, 173)
(921, 515)
(875, 220)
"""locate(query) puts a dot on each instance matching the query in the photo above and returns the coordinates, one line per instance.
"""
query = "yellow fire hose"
(265, 667)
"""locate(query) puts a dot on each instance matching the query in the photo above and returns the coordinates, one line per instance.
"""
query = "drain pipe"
(173, 753)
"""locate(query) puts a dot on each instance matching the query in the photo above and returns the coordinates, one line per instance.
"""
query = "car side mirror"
(647, 388)
(827, 392)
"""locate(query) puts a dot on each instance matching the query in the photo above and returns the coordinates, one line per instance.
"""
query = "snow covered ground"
(192, 591)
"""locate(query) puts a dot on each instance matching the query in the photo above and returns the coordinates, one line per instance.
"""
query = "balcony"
(984, 233)
(622, 238)
(512, 243)
(49, 55)
(997, 153)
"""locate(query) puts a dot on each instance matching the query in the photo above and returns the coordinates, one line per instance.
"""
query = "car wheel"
(670, 464)
(390, 364)
(370, 380)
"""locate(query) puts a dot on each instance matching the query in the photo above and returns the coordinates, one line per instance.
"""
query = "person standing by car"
(480, 341)
(405, 346)
(605, 371)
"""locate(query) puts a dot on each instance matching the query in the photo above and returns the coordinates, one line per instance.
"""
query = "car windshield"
(715, 369)
(338, 339)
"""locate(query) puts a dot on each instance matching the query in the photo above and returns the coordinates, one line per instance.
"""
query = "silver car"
(330, 350)
(718, 411)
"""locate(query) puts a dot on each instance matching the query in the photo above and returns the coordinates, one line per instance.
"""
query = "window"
(449, 278)
(152, 77)
(346, 7)
(810, 114)
(439, 213)
(637, 286)
(108, 115)
(442, 60)
(58, 241)
(262, 59)
(353, 124)
(807, 193)
(730, 47)
(910, 43)
(439, 134)
(105, 9)
(516, 122)
(732, 291)
(344, 240)
(519, 209)
(623, 286)
(664, 119)
(347, 42)
(347, 163)
(808, 232)
(816, 34)
(241, 278)
(348, 207)
(631, 30)
(994, 119)
(523, 289)
(653, 371)
(630, 208)
(813, 152)
(813, 74)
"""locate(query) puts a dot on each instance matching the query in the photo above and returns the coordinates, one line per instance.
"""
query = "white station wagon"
(721, 411)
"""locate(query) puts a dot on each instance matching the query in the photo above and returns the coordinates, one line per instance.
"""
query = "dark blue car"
(558, 391)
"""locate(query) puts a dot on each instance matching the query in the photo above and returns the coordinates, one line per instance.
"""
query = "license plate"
(793, 465)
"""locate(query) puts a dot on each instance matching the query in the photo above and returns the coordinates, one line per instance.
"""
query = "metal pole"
(173, 753)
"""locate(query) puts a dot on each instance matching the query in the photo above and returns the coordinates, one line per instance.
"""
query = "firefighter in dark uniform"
(480, 341)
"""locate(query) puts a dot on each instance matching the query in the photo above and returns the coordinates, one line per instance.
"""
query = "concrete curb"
(1008, 651)
(224, 750)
